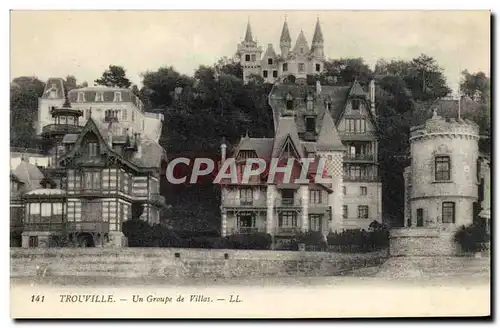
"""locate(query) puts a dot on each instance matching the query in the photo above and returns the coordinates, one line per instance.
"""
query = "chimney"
(372, 97)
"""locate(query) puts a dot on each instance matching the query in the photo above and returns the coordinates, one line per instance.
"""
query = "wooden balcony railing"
(287, 230)
(247, 230)
(359, 157)
(238, 202)
(363, 178)
(288, 202)
(61, 129)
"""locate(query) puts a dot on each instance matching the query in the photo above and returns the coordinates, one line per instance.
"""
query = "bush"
(257, 240)
(356, 240)
(312, 239)
(471, 238)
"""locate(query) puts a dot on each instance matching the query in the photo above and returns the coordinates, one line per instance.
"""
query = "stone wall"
(183, 263)
(422, 242)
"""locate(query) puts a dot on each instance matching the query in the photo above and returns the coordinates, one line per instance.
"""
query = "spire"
(318, 35)
(285, 33)
(248, 34)
(328, 139)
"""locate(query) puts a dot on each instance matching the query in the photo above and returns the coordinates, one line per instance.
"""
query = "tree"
(115, 76)
(24, 94)
(476, 86)
(346, 70)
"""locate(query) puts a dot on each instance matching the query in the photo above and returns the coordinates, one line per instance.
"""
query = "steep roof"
(357, 90)
(328, 139)
(285, 33)
(286, 129)
(336, 95)
(56, 84)
(301, 43)
(262, 146)
(270, 51)
(248, 34)
(318, 35)
(29, 174)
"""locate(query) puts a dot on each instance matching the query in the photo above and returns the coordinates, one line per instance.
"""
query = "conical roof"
(29, 174)
(318, 35)
(285, 33)
(270, 51)
(328, 139)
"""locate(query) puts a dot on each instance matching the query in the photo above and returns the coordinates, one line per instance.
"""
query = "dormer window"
(99, 96)
(53, 90)
(118, 96)
(301, 50)
(81, 97)
(318, 67)
(269, 61)
(310, 124)
(355, 104)
(329, 105)
(301, 68)
(289, 102)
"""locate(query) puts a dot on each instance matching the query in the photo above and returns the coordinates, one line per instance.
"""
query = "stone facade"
(299, 61)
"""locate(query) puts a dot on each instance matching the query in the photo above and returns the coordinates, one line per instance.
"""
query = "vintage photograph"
(216, 164)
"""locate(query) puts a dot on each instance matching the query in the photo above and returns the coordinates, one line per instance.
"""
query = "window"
(344, 212)
(363, 212)
(247, 58)
(355, 104)
(92, 211)
(245, 154)
(246, 196)
(287, 196)
(363, 191)
(81, 97)
(315, 197)
(478, 169)
(264, 73)
(133, 116)
(253, 58)
(124, 114)
(285, 67)
(288, 220)
(275, 73)
(93, 149)
(329, 105)
(442, 166)
(448, 212)
(46, 210)
(309, 103)
(301, 50)
(92, 180)
(344, 190)
(318, 67)
(269, 61)
(355, 125)
(420, 217)
(99, 96)
(310, 124)
(118, 96)
(315, 222)
(33, 241)
(289, 102)
(301, 67)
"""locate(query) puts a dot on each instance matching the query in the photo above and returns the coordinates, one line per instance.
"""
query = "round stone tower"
(444, 157)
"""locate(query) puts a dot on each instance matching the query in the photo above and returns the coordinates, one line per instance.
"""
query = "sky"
(84, 43)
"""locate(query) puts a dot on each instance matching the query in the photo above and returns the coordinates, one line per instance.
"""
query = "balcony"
(287, 231)
(288, 202)
(243, 203)
(60, 129)
(358, 136)
(363, 178)
(83, 226)
(359, 158)
(246, 230)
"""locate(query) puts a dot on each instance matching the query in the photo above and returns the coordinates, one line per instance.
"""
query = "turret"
(317, 42)
(249, 54)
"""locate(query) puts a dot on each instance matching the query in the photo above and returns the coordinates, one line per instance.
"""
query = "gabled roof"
(301, 43)
(262, 146)
(328, 139)
(318, 35)
(248, 34)
(270, 51)
(286, 130)
(285, 33)
(357, 90)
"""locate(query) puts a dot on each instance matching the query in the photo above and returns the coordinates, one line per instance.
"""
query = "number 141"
(37, 298)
